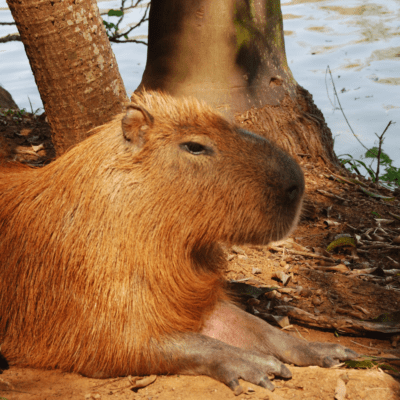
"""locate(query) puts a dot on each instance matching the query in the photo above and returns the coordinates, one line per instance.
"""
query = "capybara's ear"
(135, 123)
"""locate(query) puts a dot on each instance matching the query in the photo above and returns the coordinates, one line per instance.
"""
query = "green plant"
(392, 173)
(37, 110)
(15, 113)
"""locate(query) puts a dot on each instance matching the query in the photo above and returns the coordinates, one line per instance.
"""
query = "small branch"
(341, 109)
(380, 150)
(303, 253)
(116, 35)
(127, 41)
(119, 35)
(10, 38)
(362, 345)
(7, 23)
(122, 16)
(379, 158)
(131, 6)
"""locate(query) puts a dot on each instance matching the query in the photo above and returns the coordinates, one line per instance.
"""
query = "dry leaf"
(142, 382)
(340, 390)
(329, 222)
(38, 147)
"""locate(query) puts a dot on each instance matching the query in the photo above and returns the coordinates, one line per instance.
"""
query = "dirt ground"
(349, 295)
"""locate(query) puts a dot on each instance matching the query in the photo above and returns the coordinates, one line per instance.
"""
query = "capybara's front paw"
(251, 368)
(227, 363)
(327, 354)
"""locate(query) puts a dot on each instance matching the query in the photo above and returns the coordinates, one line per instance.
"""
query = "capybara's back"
(109, 257)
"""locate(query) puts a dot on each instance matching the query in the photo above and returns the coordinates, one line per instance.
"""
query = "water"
(358, 39)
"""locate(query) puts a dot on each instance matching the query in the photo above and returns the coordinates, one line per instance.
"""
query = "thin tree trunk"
(231, 53)
(73, 64)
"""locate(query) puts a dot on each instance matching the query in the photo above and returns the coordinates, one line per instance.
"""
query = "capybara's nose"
(292, 185)
(293, 193)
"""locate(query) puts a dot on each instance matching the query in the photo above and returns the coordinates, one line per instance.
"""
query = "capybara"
(109, 256)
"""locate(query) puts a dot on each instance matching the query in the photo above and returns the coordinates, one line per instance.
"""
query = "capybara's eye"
(194, 148)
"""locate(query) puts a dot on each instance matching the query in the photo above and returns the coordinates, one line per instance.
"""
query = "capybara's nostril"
(292, 193)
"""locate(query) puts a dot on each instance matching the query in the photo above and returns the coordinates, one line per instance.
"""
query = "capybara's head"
(206, 178)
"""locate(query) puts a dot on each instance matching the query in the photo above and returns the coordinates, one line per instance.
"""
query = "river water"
(358, 39)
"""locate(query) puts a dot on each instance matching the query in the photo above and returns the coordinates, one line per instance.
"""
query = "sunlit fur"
(113, 247)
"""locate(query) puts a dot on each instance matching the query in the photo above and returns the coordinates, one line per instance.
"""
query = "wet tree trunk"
(231, 53)
(73, 64)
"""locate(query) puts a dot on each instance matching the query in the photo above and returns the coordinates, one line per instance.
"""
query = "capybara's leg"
(197, 354)
(236, 327)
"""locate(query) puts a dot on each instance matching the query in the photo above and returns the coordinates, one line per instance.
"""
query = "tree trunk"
(231, 53)
(73, 64)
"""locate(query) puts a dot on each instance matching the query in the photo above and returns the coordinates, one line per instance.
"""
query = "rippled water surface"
(358, 39)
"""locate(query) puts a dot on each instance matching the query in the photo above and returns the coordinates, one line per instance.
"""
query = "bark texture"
(73, 64)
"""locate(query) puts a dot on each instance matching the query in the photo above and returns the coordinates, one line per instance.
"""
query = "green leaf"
(115, 13)
(392, 174)
(369, 170)
(373, 153)
(394, 215)
(376, 195)
(343, 161)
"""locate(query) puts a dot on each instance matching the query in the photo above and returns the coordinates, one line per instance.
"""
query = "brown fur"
(113, 247)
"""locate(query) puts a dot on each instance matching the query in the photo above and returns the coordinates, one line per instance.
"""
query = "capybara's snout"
(278, 184)
(291, 180)
(282, 174)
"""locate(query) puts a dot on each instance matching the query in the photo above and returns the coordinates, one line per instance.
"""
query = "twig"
(301, 336)
(306, 277)
(116, 36)
(10, 38)
(355, 168)
(107, 382)
(132, 6)
(303, 253)
(341, 109)
(127, 41)
(331, 195)
(17, 391)
(379, 150)
(122, 16)
(363, 345)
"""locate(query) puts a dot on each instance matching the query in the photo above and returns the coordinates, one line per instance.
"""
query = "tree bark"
(231, 54)
(73, 64)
